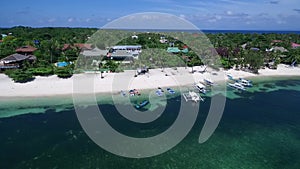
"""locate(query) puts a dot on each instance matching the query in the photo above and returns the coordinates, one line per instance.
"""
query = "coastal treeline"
(254, 51)
(244, 51)
(49, 43)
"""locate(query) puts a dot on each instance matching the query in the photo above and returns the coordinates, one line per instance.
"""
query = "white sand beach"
(114, 82)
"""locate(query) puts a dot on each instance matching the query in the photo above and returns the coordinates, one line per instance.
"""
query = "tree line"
(237, 50)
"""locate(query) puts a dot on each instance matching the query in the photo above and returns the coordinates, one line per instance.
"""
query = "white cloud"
(70, 19)
(218, 17)
(182, 16)
(51, 20)
(88, 19)
(229, 12)
(150, 20)
(280, 22)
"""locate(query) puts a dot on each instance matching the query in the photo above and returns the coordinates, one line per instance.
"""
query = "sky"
(205, 14)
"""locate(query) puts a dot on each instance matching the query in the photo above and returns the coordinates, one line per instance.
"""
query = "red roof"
(295, 45)
(26, 49)
(81, 46)
(66, 46)
(276, 41)
(84, 46)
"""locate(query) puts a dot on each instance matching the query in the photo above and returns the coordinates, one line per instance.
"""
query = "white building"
(125, 51)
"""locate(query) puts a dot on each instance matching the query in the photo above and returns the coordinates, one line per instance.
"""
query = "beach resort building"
(26, 50)
(15, 61)
(3, 36)
(163, 40)
(277, 49)
(295, 45)
(96, 52)
(81, 46)
(125, 52)
(24, 53)
(134, 37)
(276, 41)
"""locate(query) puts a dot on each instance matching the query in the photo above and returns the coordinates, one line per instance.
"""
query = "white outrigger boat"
(237, 85)
(192, 96)
(209, 82)
(245, 82)
(230, 77)
(200, 87)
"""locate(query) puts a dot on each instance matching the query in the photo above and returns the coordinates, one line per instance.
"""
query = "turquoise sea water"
(260, 128)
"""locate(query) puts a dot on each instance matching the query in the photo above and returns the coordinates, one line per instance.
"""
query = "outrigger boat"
(192, 96)
(171, 91)
(230, 77)
(236, 85)
(159, 91)
(159, 88)
(209, 82)
(245, 82)
(200, 87)
(142, 104)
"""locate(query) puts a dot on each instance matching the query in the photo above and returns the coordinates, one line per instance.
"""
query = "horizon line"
(206, 29)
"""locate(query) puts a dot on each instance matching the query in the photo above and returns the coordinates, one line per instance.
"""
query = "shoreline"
(113, 83)
(11, 106)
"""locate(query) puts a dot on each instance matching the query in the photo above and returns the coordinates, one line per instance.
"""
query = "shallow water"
(260, 128)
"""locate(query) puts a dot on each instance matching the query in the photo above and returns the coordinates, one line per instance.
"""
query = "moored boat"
(171, 91)
(236, 85)
(245, 82)
(209, 82)
(159, 91)
(192, 96)
(230, 77)
(142, 104)
(200, 87)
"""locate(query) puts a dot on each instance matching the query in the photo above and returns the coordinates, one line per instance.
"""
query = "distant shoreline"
(213, 31)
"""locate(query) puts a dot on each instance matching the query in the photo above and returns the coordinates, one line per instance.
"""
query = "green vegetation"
(41, 68)
(41, 71)
(20, 75)
(155, 53)
(229, 47)
(50, 43)
(240, 51)
(64, 72)
(112, 66)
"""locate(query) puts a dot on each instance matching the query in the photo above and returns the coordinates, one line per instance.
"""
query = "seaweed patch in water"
(271, 86)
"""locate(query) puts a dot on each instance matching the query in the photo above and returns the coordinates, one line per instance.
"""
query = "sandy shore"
(114, 82)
